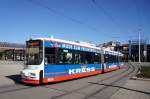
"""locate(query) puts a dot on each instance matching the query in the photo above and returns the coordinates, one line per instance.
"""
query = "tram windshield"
(34, 52)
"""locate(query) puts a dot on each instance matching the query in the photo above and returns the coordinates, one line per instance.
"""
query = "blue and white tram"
(53, 60)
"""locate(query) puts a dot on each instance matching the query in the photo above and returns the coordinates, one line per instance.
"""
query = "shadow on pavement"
(16, 78)
(122, 88)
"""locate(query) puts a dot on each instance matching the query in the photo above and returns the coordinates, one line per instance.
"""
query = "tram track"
(14, 87)
(128, 75)
(91, 84)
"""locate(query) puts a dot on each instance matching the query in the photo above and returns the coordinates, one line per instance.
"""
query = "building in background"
(134, 50)
(12, 51)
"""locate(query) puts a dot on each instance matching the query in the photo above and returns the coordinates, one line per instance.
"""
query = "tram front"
(34, 62)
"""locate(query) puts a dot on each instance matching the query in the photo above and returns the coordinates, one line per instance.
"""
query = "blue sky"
(97, 21)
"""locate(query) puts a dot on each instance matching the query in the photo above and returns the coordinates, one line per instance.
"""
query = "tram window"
(49, 55)
(89, 58)
(79, 58)
(86, 58)
(65, 57)
(112, 58)
(120, 59)
(97, 59)
(76, 57)
(109, 58)
(82, 58)
(117, 58)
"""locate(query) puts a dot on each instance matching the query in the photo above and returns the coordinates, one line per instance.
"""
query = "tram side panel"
(110, 63)
(121, 63)
(55, 73)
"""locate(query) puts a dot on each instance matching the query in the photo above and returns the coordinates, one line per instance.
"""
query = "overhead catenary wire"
(44, 6)
(110, 17)
(98, 5)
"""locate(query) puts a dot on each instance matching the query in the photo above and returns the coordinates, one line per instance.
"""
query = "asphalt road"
(94, 87)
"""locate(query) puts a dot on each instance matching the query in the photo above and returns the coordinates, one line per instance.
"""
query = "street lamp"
(139, 47)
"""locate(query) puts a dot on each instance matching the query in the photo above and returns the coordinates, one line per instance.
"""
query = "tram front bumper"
(28, 81)
(30, 76)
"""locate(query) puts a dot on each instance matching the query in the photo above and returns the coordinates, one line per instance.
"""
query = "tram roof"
(70, 42)
(108, 51)
(104, 50)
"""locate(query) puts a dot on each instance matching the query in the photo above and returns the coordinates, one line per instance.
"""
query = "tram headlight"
(33, 74)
